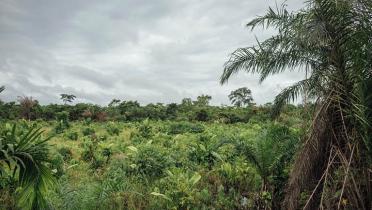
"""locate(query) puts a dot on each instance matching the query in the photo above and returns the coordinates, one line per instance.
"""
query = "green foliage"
(181, 189)
(185, 127)
(72, 135)
(67, 98)
(66, 153)
(202, 115)
(62, 122)
(56, 163)
(25, 156)
(89, 149)
(128, 111)
(112, 129)
(154, 164)
(206, 151)
(150, 160)
(145, 130)
(87, 131)
(107, 152)
(203, 100)
(151, 164)
(330, 42)
(97, 162)
(241, 97)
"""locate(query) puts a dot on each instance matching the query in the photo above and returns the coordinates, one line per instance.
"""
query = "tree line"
(192, 110)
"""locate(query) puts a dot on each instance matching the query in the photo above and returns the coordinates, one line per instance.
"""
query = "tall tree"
(186, 102)
(241, 97)
(67, 98)
(332, 41)
(27, 104)
(114, 102)
(203, 100)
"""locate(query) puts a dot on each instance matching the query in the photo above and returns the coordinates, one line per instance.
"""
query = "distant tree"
(186, 102)
(67, 98)
(154, 111)
(171, 110)
(2, 88)
(114, 102)
(113, 111)
(26, 105)
(203, 100)
(131, 110)
(241, 97)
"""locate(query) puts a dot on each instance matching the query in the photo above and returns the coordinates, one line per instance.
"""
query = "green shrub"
(66, 153)
(73, 135)
(107, 152)
(145, 130)
(151, 160)
(96, 163)
(89, 149)
(112, 129)
(88, 131)
(185, 127)
(202, 115)
(181, 190)
(62, 122)
(56, 164)
(102, 138)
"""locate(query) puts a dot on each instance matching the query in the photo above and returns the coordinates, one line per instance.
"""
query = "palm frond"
(29, 153)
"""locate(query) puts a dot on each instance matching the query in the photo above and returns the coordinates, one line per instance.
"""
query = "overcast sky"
(145, 50)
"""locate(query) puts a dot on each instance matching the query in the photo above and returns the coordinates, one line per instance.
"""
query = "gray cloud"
(150, 51)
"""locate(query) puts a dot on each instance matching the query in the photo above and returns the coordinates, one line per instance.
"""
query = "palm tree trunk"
(310, 162)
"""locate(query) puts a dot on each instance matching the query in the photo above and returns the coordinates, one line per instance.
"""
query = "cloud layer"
(150, 51)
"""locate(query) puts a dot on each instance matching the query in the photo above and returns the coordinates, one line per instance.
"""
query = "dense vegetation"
(165, 164)
(331, 41)
(195, 156)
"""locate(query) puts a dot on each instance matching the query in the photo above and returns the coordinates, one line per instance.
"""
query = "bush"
(66, 153)
(145, 130)
(112, 129)
(182, 190)
(107, 152)
(151, 160)
(202, 115)
(62, 122)
(185, 127)
(57, 162)
(73, 135)
(90, 148)
(102, 138)
(96, 163)
(88, 131)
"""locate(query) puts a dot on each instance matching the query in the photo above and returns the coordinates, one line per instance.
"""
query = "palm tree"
(332, 41)
(25, 155)
(241, 97)
(269, 154)
(67, 98)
